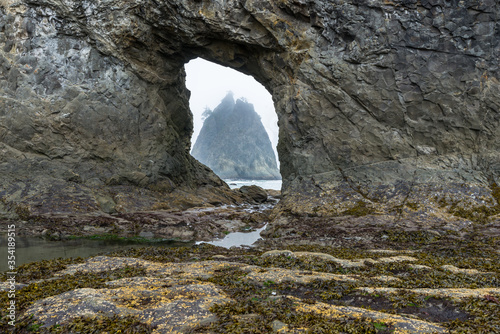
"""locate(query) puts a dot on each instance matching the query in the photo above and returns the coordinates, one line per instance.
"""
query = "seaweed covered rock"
(211, 289)
(169, 306)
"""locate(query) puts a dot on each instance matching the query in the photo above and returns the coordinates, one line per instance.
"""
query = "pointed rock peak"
(234, 143)
(226, 105)
(229, 98)
(243, 101)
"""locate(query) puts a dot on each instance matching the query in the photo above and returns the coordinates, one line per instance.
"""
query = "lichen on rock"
(210, 289)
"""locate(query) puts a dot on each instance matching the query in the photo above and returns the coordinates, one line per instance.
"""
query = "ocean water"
(266, 184)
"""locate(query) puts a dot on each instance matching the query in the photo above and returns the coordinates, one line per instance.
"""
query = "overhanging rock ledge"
(384, 106)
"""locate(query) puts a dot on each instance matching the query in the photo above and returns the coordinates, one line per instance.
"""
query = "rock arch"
(379, 103)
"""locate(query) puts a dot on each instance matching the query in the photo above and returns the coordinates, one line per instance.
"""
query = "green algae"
(416, 237)
(23, 211)
(182, 254)
(412, 205)
(359, 209)
(479, 214)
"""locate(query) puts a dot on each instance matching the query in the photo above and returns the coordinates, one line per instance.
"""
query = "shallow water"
(237, 239)
(30, 249)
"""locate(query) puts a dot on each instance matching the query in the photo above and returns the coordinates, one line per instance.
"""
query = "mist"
(209, 83)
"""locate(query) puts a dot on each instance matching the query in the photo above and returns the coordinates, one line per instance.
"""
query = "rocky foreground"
(356, 276)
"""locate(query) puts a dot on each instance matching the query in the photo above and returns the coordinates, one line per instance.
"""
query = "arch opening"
(235, 125)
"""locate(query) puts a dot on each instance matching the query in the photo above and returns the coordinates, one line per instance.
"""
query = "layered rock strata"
(380, 104)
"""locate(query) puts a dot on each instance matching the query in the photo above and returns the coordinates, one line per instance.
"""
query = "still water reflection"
(237, 239)
(30, 249)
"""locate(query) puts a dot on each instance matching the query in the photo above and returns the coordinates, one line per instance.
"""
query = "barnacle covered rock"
(165, 304)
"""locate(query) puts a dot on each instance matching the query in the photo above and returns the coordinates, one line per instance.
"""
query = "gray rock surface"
(234, 143)
(382, 102)
(256, 193)
(170, 306)
(76, 124)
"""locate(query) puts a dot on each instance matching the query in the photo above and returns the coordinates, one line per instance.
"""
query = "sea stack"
(234, 143)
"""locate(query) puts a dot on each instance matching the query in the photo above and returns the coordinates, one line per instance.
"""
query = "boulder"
(255, 193)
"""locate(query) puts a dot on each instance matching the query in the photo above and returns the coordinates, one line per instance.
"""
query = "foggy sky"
(209, 84)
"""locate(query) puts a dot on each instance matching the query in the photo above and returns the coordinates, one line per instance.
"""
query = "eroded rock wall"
(406, 93)
(383, 102)
(75, 122)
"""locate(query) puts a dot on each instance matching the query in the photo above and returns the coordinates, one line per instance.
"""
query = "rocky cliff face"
(234, 143)
(78, 128)
(381, 103)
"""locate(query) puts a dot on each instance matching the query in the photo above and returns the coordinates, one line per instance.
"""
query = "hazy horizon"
(209, 83)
